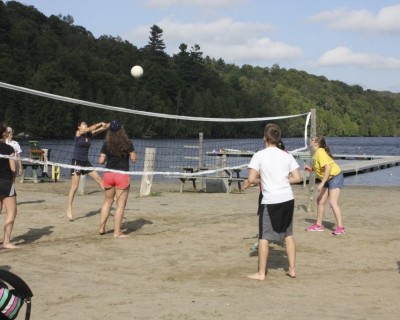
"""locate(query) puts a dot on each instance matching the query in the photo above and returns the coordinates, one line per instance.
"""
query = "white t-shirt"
(15, 145)
(274, 166)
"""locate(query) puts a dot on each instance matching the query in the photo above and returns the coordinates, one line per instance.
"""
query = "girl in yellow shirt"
(332, 181)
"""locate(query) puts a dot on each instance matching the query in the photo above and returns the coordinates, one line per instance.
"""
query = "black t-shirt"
(114, 162)
(5, 170)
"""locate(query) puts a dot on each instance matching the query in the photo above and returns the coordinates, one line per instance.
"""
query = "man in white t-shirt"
(16, 147)
(276, 170)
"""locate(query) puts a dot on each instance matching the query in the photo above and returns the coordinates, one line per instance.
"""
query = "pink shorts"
(118, 180)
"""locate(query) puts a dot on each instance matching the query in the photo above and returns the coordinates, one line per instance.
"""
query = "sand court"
(187, 257)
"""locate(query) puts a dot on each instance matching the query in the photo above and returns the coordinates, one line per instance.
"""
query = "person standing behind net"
(16, 147)
(8, 195)
(82, 143)
(275, 169)
(117, 150)
(332, 181)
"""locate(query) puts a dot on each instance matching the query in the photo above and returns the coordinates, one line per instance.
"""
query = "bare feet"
(256, 276)
(9, 246)
(102, 230)
(120, 235)
(291, 273)
(69, 215)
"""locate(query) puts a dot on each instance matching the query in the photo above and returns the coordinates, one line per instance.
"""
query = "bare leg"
(95, 176)
(291, 254)
(10, 204)
(263, 251)
(122, 197)
(333, 201)
(321, 200)
(74, 186)
(105, 209)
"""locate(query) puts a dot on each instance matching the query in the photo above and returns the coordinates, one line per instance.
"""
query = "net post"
(147, 179)
(311, 186)
(82, 185)
(202, 163)
(201, 151)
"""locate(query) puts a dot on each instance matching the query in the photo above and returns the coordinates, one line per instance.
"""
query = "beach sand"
(187, 257)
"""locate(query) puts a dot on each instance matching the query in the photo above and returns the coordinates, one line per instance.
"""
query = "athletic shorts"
(336, 182)
(117, 180)
(7, 188)
(276, 221)
(81, 164)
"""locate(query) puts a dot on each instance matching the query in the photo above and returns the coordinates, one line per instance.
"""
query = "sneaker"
(339, 230)
(315, 227)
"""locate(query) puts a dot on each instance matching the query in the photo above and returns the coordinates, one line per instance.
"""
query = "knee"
(108, 201)
(333, 204)
(121, 204)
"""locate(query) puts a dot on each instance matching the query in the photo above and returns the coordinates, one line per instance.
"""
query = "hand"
(307, 168)
(20, 171)
(320, 186)
(245, 184)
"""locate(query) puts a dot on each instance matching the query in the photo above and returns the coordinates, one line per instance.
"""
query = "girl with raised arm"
(82, 143)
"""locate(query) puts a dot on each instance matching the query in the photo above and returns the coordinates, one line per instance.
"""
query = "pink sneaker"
(339, 230)
(315, 227)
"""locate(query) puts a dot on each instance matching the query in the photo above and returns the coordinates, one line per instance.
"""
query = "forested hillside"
(52, 54)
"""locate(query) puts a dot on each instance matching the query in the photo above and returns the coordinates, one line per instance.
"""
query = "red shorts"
(113, 179)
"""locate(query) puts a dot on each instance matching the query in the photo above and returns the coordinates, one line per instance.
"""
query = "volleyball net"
(181, 145)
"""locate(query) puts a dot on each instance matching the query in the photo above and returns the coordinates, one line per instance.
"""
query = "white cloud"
(386, 20)
(224, 38)
(343, 56)
(193, 3)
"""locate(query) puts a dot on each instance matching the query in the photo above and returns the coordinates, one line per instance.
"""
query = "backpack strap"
(12, 300)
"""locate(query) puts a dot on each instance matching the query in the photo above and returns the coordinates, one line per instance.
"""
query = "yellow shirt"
(320, 160)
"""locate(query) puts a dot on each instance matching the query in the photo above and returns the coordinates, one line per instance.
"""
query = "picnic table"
(216, 183)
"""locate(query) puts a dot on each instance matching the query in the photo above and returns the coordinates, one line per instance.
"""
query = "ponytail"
(322, 144)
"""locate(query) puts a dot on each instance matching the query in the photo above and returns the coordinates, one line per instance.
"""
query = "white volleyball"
(137, 71)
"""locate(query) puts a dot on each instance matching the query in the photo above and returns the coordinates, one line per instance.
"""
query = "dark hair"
(272, 133)
(322, 144)
(3, 130)
(281, 145)
(118, 143)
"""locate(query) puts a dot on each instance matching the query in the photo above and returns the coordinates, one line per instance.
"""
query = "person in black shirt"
(8, 196)
(80, 157)
(117, 150)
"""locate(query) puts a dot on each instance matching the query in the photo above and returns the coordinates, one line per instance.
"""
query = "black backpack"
(13, 299)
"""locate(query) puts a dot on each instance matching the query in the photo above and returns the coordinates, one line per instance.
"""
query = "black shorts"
(7, 188)
(260, 206)
(81, 164)
(276, 221)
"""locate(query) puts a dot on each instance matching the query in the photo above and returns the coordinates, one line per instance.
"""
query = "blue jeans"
(336, 182)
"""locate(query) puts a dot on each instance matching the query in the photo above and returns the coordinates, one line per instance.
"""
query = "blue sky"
(352, 41)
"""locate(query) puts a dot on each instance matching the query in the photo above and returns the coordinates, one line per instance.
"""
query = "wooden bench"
(35, 177)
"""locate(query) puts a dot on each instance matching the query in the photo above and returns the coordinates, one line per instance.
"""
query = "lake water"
(173, 155)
